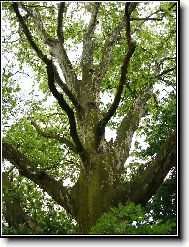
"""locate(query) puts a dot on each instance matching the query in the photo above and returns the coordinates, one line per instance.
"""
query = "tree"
(125, 50)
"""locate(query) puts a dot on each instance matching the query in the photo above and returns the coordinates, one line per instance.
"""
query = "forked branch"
(61, 139)
(57, 50)
(28, 34)
(63, 104)
(88, 42)
(131, 48)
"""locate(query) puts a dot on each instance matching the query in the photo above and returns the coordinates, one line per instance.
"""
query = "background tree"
(124, 50)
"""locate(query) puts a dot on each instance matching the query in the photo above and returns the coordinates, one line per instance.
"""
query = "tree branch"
(67, 109)
(109, 43)
(55, 137)
(131, 7)
(145, 186)
(131, 48)
(88, 42)
(37, 5)
(66, 90)
(146, 19)
(108, 47)
(28, 169)
(36, 17)
(130, 124)
(59, 52)
(165, 72)
(28, 34)
(59, 22)
(57, 49)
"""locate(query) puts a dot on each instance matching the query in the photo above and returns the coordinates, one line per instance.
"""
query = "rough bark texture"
(101, 163)
(99, 187)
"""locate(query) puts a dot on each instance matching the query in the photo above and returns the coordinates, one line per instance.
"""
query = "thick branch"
(102, 124)
(67, 109)
(66, 90)
(28, 34)
(108, 47)
(36, 17)
(109, 43)
(131, 7)
(88, 41)
(55, 137)
(28, 169)
(60, 20)
(127, 23)
(122, 82)
(130, 124)
(143, 187)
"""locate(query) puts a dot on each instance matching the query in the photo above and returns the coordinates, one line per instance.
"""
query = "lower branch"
(143, 187)
(55, 137)
(28, 169)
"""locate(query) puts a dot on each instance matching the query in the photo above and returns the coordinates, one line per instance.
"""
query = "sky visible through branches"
(30, 90)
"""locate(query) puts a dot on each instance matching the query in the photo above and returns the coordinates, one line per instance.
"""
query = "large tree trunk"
(95, 192)
(100, 187)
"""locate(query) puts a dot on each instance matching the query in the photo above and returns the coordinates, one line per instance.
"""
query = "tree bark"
(143, 187)
(100, 188)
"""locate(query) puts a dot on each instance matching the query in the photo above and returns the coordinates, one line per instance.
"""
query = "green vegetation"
(71, 72)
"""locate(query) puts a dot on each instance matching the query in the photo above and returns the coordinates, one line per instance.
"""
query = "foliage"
(163, 204)
(36, 125)
(157, 126)
(49, 216)
(61, 164)
(131, 220)
(21, 229)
